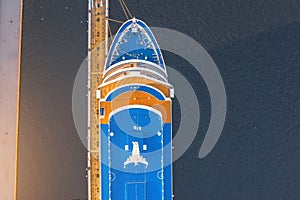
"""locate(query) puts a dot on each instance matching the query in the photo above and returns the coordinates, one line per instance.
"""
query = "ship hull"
(135, 118)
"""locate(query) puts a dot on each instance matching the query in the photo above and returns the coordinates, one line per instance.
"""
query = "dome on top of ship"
(134, 42)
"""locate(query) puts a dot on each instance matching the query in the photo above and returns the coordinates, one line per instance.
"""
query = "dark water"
(255, 44)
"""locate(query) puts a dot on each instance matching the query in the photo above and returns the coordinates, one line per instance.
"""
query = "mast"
(106, 27)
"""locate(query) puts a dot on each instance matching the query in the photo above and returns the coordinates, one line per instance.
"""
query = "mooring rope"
(128, 11)
(124, 9)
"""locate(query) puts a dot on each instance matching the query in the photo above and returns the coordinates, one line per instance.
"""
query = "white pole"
(106, 26)
(90, 6)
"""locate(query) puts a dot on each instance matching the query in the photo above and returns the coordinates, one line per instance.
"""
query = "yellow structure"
(98, 34)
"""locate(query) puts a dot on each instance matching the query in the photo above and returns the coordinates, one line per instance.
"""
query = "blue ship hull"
(135, 125)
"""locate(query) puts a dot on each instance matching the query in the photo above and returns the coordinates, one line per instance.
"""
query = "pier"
(98, 48)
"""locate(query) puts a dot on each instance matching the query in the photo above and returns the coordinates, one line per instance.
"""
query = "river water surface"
(256, 47)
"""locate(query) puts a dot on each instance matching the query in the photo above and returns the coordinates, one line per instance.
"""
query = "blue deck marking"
(131, 44)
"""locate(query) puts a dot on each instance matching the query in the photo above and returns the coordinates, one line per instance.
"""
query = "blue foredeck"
(134, 40)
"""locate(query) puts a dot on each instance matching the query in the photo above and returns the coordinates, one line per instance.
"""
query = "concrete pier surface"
(10, 45)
